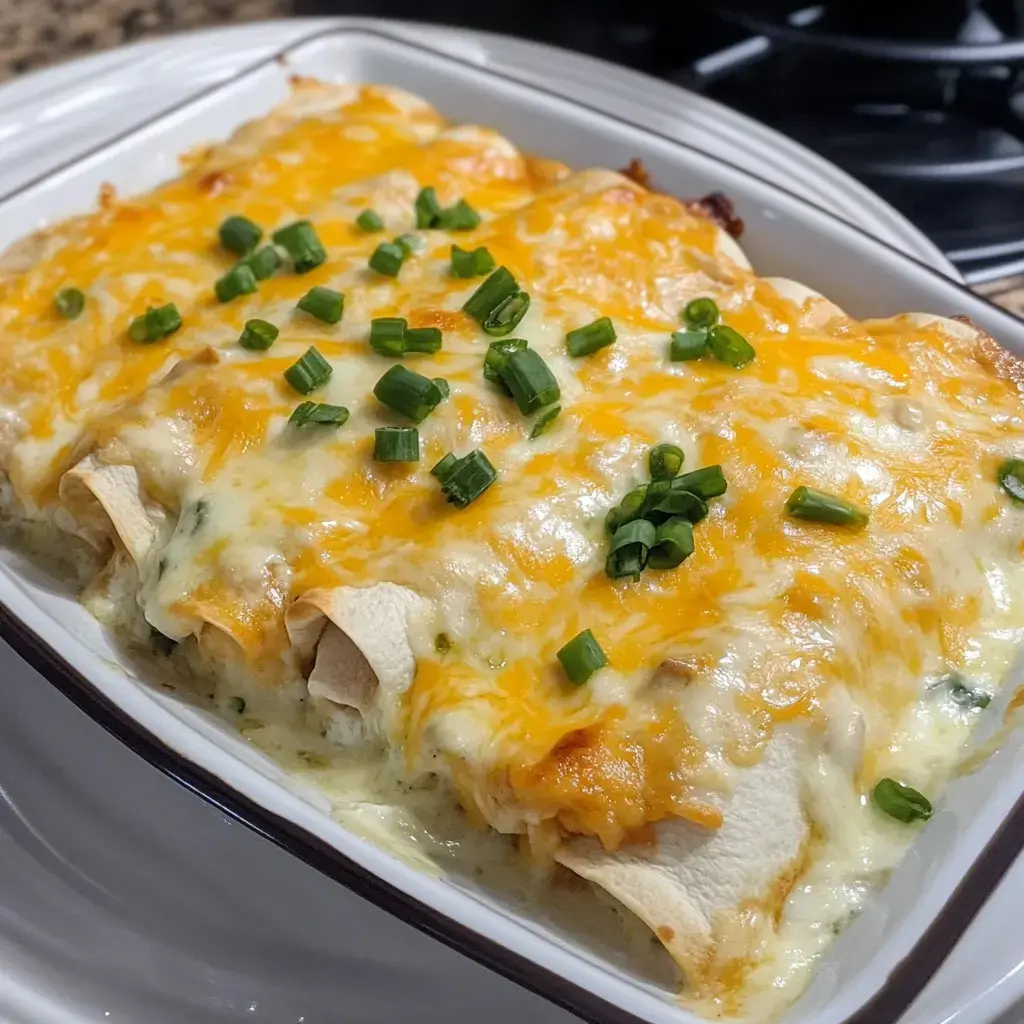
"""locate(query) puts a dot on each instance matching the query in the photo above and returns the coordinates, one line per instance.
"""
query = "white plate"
(165, 924)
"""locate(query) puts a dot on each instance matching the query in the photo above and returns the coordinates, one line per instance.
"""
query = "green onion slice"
(673, 544)
(666, 460)
(819, 507)
(459, 217)
(396, 444)
(302, 244)
(498, 354)
(423, 339)
(325, 304)
(707, 482)
(581, 657)
(543, 422)
(157, 323)
(237, 704)
(69, 303)
(263, 263)
(443, 387)
(530, 381)
(471, 262)
(238, 281)
(491, 295)
(961, 693)
(585, 341)
(428, 208)
(1011, 478)
(370, 221)
(258, 335)
(687, 345)
(901, 802)
(408, 393)
(467, 478)
(729, 346)
(701, 312)
(506, 317)
(318, 414)
(667, 500)
(240, 235)
(441, 469)
(387, 259)
(629, 549)
(387, 335)
(627, 510)
(310, 372)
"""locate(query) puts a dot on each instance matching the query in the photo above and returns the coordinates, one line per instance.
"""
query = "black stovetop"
(923, 100)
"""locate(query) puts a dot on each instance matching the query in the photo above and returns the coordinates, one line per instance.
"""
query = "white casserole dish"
(959, 857)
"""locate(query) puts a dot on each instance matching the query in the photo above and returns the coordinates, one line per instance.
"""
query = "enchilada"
(713, 773)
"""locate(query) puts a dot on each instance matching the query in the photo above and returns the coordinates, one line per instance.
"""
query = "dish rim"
(908, 976)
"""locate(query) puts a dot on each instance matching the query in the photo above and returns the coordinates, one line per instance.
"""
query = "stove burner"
(935, 124)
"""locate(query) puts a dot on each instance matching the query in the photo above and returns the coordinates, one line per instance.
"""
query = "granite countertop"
(38, 32)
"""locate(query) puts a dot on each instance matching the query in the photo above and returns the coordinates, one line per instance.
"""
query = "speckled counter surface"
(34, 33)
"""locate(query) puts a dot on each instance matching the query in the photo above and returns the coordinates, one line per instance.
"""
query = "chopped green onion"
(318, 414)
(901, 802)
(237, 704)
(263, 263)
(325, 304)
(673, 544)
(428, 208)
(706, 482)
(459, 217)
(543, 422)
(491, 295)
(729, 346)
(686, 345)
(238, 281)
(581, 657)
(240, 235)
(468, 478)
(408, 243)
(157, 323)
(629, 549)
(309, 373)
(387, 259)
(443, 643)
(506, 317)
(370, 221)
(441, 469)
(69, 302)
(409, 393)
(531, 383)
(701, 313)
(819, 507)
(387, 335)
(423, 339)
(1011, 478)
(396, 444)
(964, 695)
(665, 460)
(498, 354)
(627, 510)
(471, 263)
(301, 242)
(443, 387)
(667, 500)
(258, 335)
(585, 341)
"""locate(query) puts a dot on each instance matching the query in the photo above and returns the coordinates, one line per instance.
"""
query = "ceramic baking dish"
(877, 966)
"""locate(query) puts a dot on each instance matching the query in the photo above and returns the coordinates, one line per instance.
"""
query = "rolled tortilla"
(693, 883)
(358, 640)
(106, 503)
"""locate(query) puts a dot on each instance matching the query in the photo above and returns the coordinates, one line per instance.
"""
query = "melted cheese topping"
(772, 623)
